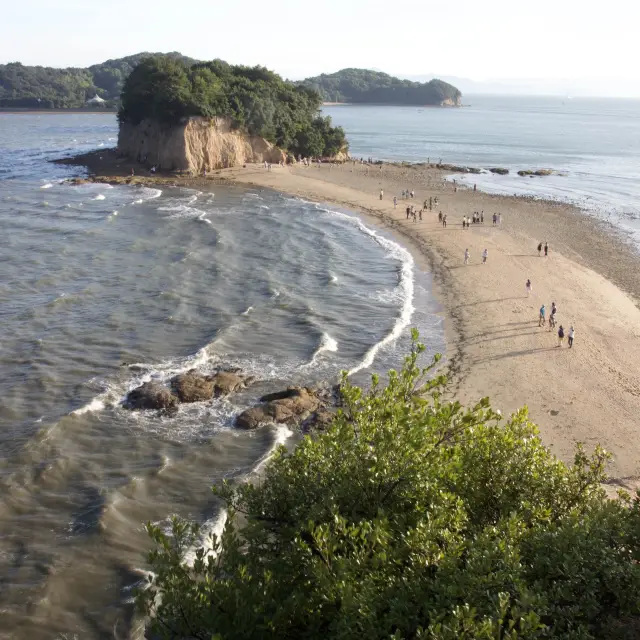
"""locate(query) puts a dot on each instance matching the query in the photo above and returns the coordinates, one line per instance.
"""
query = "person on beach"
(552, 319)
(475, 187)
(408, 212)
(495, 219)
(541, 319)
(395, 202)
(420, 215)
(539, 249)
(572, 333)
(415, 217)
(560, 336)
(528, 287)
(412, 194)
(466, 256)
(444, 220)
(482, 216)
(424, 205)
(485, 255)
(403, 192)
(546, 249)
(435, 201)
(431, 204)
(381, 194)
(440, 217)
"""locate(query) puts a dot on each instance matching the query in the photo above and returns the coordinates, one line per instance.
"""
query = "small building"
(96, 101)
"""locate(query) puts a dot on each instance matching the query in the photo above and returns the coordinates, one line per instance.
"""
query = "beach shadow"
(504, 337)
(473, 304)
(515, 354)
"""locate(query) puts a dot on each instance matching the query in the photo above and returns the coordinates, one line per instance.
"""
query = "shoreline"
(589, 394)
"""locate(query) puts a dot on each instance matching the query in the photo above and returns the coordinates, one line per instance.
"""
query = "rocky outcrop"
(291, 407)
(450, 102)
(499, 170)
(193, 387)
(226, 382)
(537, 172)
(151, 395)
(195, 146)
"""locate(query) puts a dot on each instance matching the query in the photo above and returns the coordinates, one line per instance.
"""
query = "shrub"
(411, 517)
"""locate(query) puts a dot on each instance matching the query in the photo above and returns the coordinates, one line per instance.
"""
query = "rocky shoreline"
(309, 408)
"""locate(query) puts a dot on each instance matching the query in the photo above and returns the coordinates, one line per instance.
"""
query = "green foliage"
(374, 87)
(256, 100)
(411, 517)
(48, 88)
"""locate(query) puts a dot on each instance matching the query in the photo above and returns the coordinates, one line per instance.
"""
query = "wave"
(404, 290)
(333, 278)
(148, 194)
(97, 404)
(215, 526)
(247, 311)
(327, 343)
(46, 186)
(99, 197)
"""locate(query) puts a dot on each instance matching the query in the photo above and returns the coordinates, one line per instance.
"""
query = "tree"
(410, 517)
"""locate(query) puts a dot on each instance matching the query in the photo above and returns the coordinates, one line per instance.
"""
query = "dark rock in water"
(291, 392)
(320, 420)
(499, 170)
(193, 387)
(253, 418)
(292, 406)
(226, 382)
(151, 395)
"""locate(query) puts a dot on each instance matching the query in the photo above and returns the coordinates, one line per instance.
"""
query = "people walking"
(528, 287)
(540, 249)
(420, 215)
(444, 220)
(572, 333)
(381, 194)
(546, 249)
(541, 319)
(495, 219)
(395, 202)
(467, 255)
(485, 255)
(482, 216)
(560, 336)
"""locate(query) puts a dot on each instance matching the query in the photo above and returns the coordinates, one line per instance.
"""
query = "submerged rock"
(151, 395)
(253, 418)
(499, 170)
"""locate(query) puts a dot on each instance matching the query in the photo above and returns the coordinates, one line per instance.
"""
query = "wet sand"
(588, 394)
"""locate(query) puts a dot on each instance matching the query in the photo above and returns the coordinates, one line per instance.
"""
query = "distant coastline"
(31, 111)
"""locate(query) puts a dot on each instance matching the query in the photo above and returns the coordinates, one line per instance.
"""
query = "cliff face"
(196, 146)
(450, 102)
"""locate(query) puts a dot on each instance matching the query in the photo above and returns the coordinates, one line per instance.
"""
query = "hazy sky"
(580, 40)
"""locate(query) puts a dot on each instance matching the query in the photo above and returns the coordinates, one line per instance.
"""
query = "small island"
(211, 115)
(362, 86)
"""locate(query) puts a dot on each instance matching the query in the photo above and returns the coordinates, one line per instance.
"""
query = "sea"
(103, 288)
(591, 144)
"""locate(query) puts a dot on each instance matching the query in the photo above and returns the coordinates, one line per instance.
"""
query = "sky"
(559, 46)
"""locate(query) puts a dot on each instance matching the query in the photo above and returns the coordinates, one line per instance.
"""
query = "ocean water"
(103, 288)
(593, 143)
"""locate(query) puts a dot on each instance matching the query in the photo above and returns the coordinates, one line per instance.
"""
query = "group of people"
(477, 218)
(467, 256)
(552, 323)
(546, 249)
(442, 217)
(411, 212)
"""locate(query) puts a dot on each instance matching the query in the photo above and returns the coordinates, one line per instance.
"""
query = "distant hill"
(374, 87)
(45, 87)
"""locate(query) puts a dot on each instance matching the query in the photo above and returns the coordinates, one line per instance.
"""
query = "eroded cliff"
(195, 146)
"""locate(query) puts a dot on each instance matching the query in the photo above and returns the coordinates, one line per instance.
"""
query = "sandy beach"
(588, 394)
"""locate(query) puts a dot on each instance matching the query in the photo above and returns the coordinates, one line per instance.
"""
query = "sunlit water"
(92, 277)
(593, 143)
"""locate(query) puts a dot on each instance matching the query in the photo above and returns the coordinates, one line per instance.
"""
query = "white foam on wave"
(264, 206)
(99, 197)
(404, 290)
(247, 311)
(333, 278)
(327, 344)
(46, 186)
(148, 194)
(97, 404)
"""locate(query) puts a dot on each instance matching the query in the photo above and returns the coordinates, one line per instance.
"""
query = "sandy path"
(588, 394)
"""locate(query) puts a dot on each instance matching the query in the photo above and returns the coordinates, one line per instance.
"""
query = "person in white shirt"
(572, 333)
(485, 255)
(466, 256)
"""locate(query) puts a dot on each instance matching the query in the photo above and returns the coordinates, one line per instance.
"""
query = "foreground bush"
(412, 517)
